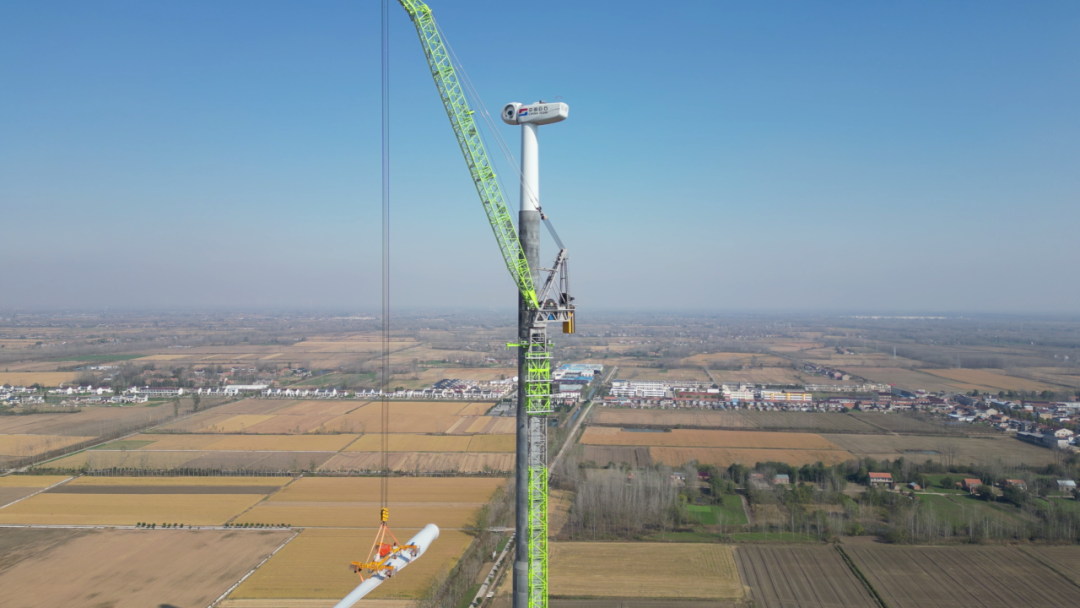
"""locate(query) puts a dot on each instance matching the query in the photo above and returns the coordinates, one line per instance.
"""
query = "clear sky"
(731, 156)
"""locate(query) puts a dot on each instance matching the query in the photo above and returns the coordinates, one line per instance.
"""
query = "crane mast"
(553, 304)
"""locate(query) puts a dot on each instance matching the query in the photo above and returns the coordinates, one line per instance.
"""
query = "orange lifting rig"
(382, 552)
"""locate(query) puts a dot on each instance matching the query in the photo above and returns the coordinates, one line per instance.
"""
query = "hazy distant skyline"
(718, 156)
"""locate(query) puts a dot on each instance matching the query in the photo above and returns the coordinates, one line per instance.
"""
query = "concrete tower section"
(530, 117)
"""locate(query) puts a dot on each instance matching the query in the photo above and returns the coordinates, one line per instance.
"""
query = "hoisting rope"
(384, 486)
(385, 546)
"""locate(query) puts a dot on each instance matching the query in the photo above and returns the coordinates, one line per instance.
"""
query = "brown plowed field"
(435, 443)
(800, 577)
(732, 419)
(411, 443)
(725, 457)
(602, 455)
(88, 421)
(644, 570)
(899, 423)
(931, 577)
(315, 565)
(1065, 560)
(205, 460)
(292, 425)
(423, 462)
(127, 568)
(983, 378)
(1008, 450)
(711, 439)
(370, 422)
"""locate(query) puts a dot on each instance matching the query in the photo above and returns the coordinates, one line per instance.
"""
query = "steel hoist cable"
(385, 440)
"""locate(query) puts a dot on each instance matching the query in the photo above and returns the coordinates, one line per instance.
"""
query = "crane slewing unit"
(552, 304)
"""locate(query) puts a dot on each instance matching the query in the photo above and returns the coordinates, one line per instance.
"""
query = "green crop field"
(729, 513)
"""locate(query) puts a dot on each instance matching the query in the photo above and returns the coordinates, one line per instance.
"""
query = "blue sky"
(721, 156)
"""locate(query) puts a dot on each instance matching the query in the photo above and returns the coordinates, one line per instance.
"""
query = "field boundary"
(38, 492)
(862, 577)
(252, 571)
(259, 502)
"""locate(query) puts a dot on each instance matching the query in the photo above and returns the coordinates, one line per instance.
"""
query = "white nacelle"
(539, 113)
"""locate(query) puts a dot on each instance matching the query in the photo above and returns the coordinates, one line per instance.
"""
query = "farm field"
(480, 374)
(14, 487)
(718, 448)
(1065, 560)
(435, 443)
(909, 379)
(43, 378)
(339, 501)
(127, 568)
(1054, 375)
(800, 577)
(1008, 450)
(644, 570)
(241, 443)
(707, 438)
(277, 417)
(203, 460)
(961, 508)
(732, 419)
(967, 379)
(422, 462)
(767, 375)
(327, 352)
(729, 513)
(603, 455)
(725, 457)
(900, 423)
(93, 480)
(713, 359)
(21, 446)
(929, 577)
(123, 509)
(559, 503)
(84, 422)
(630, 372)
(315, 566)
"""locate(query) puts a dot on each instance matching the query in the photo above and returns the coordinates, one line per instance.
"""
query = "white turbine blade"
(422, 540)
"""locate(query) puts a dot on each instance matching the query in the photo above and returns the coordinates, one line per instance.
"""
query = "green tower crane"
(552, 303)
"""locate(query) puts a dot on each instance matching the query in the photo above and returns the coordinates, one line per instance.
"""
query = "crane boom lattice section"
(538, 512)
(472, 146)
(538, 372)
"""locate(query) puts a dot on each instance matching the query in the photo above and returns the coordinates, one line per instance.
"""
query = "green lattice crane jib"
(537, 349)
(472, 147)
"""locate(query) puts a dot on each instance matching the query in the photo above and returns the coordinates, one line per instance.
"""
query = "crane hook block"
(384, 514)
(568, 324)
